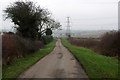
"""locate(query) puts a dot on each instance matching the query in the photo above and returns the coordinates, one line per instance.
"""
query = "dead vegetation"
(107, 45)
(15, 47)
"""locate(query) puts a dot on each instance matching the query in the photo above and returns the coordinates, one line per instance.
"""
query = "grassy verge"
(96, 66)
(15, 69)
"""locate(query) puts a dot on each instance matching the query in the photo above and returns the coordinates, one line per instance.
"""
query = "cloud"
(87, 13)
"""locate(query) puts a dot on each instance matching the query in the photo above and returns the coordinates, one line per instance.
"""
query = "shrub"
(109, 44)
(9, 48)
(88, 43)
(48, 31)
(47, 39)
(14, 47)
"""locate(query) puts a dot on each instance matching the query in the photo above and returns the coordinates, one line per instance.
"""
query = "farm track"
(60, 63)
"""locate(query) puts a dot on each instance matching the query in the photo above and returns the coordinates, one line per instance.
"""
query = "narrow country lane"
(60, 63)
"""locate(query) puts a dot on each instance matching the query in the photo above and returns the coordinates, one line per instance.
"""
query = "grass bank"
(15, 69)
(96, 66)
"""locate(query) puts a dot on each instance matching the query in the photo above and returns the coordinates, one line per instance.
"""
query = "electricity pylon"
(68, 33)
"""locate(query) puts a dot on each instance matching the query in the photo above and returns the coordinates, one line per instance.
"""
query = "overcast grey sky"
(84, 14)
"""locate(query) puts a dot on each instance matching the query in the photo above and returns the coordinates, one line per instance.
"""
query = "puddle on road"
(60, 73)
(60, 55)
(72, 58)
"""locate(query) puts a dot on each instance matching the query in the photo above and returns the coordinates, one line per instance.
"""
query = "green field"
(15, 69)
(95, 65)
